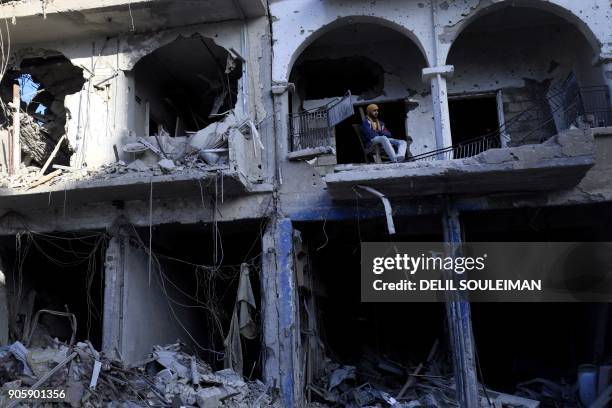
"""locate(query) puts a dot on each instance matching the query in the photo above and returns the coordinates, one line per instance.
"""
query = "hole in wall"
(184, 86)
(44, 82)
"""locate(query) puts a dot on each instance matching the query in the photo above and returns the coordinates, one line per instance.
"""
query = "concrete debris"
(28, 177)
(138, 165)
(166, 165)
(548, 392)
(338, 376)
(376, 381)
(92, 379)
(146, 156)
(214, 135)
(39, 142)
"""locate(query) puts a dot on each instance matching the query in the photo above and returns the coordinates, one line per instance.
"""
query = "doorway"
(473, 116)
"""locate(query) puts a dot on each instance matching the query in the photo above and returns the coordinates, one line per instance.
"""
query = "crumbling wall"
(143, 304)
(45, 78)
(146, 317)
(454, 16)
(295, 25)
(522, 61)
(181, 85)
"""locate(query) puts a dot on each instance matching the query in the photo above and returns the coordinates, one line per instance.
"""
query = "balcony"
(558, 163)
(224, 172)
(554, 151)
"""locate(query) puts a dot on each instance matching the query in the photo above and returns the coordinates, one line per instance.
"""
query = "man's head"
(372, 111)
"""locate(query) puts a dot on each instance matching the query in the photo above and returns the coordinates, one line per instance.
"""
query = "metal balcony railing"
(462, 150)
(596, 103)
(314, 127)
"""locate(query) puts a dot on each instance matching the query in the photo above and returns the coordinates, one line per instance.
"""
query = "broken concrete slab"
(138, 165)
(166, 165)
(309, 153)
(559, 163)
(213, 135)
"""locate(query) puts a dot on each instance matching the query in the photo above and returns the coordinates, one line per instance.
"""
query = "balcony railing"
(314, 127)
(565, 104)
(462, 150)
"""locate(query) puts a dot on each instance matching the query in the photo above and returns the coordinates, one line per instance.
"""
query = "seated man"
(374, 131)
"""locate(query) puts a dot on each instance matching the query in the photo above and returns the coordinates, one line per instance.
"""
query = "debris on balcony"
(167, 377)
(205, 150)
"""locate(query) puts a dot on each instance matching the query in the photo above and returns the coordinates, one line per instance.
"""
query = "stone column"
(281, 124)
(459, 318)
(279, 304)
(606, 67)
(439, 96)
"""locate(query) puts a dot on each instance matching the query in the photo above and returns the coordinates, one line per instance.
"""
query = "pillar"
(281, 124)
(439, 97)
(606, 66)
(279, 305)
(460, 320)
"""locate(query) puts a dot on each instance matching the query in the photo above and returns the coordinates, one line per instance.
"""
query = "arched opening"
(43, 84)
(377, 64)
(184, 86)
(521, 76)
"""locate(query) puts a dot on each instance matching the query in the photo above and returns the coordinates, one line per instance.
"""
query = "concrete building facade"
(150, 148)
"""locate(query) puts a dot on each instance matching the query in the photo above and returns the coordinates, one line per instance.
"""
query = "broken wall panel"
(145, 316)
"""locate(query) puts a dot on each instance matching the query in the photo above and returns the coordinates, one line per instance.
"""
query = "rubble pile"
(38, 141)
(168, 377)
(379, 381)
(153, 156)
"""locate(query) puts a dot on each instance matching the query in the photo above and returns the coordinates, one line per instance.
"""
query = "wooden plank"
(52, 156)
(15, 143)
(45, 179)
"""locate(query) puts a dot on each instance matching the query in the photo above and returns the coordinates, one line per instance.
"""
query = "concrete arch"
(139, 46)
(349, 20)
(452, 33)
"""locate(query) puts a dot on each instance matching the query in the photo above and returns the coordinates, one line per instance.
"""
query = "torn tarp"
(242, 322)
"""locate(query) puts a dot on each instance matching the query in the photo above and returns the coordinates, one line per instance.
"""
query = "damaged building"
(185, 187)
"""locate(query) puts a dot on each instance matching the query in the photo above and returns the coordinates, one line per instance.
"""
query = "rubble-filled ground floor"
(267, 312)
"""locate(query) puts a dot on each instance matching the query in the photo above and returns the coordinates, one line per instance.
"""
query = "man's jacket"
(369, 133)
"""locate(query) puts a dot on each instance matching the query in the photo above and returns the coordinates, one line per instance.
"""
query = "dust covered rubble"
(204, 150)
(168, 377)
